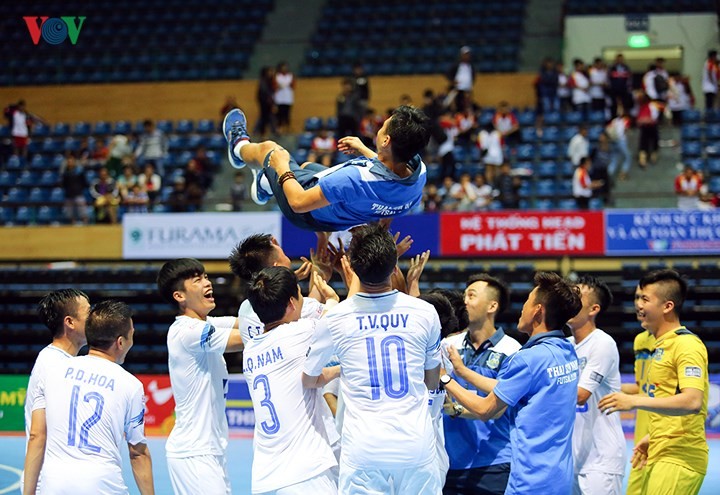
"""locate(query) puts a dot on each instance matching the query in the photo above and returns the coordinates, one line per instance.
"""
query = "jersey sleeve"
(692, 364)
(38, 382)
(320, 351)
(135, 417)
(433, 355)
(222, 321)
(341, 186)
(204, 336)
(514, 380)
(312, 308)
(600, 363)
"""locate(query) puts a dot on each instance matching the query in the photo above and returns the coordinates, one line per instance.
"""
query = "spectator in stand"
(349, 110)
(484, 193)
(680, 97)
(137, 200)
(507, 187)
(656, 81)
(106, 197)
(462, 77)
(598, 84)
(194, 186)
(177, 200)
(74, 185)
(230, 103)
(648, 117)
(284, 95)
(579, 146)
(687, 188)
(153, 146)
(507, 124)
(20, 125)
(100, 152)
(446, 148)
(361, 84)
(547, 87)
(369, 125)
(238, 191)
(119, 151)
(464, 193)
(617, 132)
(710, 79)
(432, 201)
(583, 185)
(490, 144)
(563, 91)
(323, 148)
(580, 85)
(466, 124)
(266, 102)
(449, 203)
(126, 181)
(152, 183)
(620, 77)
(602, 157)
(204, 166)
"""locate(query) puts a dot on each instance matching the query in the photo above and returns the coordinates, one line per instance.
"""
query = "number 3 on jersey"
(395, 377)
(273, 426)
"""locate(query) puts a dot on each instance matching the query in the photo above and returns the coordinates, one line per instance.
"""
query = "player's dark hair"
(457, 300)
(373, 254)
(409, 131)
(173, 275)
(560, 299)
(498, 290)
(251, 255)
(108, 320)
(56, 305)
(448, 320)
(601, 292)
(672, 286)
(270, 292)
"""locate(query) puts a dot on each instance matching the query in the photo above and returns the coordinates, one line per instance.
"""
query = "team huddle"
(379, 393)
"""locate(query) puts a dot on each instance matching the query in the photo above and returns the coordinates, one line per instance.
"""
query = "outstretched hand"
(304, 270)
(417, 265)
(350, 145)
(404, 245)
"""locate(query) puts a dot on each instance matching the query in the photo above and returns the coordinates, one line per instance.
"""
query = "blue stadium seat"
(573, 118)
(102, 128)
(81, 129)
(567, 204)
(313, 124)
(71, 144)
(544, 204)
(16, 195)
(526, 152)
(552, 118)
(49, 178)
(713, 166)
(594, 132)
(38, 195)
(551, 134)
(692, 116)
(691, 149)
(47, 215)
(61, 129)
(27, 178)
(50, 145)
(564, 188)
(712, 131)
(528, 134)
(527, 118)
(545, 187)
(300, 155)
(6, 215)
(331, 123)
(691, 132)
(715, 184)
(40, 130)
(38, 162)
(14, 163)
(712, 116)
(23, 215)
(184, 126)
(596, 204)
(122, 127)
(596, 117)
(195, 140)
(165, 125)
(550, 151)
(7, 178)
(546, 169)
(205, 126)
(56, 195)
(305, 140)
(177, 143)
(216, 142)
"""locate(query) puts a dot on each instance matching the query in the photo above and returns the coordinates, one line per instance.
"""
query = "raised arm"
(352, 145)
(299, 199)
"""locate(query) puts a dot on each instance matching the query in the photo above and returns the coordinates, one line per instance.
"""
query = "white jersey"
(250, 325)
(199, 377)
(49, 360)
(384, 343)
(290, 435)
(442, 459)
(598, 440)
(91, 406)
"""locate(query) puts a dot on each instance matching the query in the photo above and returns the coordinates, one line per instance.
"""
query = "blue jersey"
(539, 385)
(363, 190)
(474, 443)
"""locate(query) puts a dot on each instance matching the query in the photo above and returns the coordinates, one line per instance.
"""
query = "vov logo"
(54, 30)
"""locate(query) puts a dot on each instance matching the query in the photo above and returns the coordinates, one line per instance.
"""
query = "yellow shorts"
(636, 481)
(666, 478)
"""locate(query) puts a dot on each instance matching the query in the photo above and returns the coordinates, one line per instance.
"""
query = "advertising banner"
(192, 235)
(159, 404)
(522, 234)
(12, 402)
(422, 228)
(662, 232)
(239, 409)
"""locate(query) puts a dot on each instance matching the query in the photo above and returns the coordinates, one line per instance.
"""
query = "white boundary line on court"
(16, 485)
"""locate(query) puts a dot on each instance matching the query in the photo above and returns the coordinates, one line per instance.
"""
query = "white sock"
(265, 185)
(239, 146)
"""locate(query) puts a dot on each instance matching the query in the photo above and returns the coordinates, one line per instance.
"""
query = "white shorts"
(205, 474)
(598, 483)
(324, 483)
(422, 480)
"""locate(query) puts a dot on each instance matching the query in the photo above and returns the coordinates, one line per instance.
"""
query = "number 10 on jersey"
(392, 364)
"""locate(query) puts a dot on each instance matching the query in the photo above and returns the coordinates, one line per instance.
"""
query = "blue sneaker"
(257, 193)
(235, 129)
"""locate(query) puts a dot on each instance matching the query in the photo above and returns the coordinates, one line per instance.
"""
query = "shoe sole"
(234, 161)
(254, 189)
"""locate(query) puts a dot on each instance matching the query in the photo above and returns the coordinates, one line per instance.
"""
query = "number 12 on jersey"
(395, 376)
(84, 443)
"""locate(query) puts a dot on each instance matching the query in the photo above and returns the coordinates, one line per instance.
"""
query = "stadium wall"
(203, 99)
